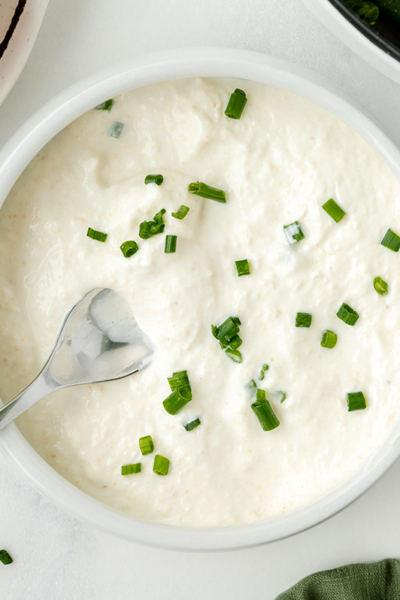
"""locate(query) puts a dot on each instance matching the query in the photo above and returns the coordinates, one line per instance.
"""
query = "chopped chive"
(148, 229)
(131, 469)
(107, 105)
(236, 104)
(264, 413)
(179, 379)
(263, 370)
(347, 314)
(251, 387)
(206, 191)
(129, 248)
(333, 209)
(356, 401)
(381, 286)
(235, 342)
(303, 319)
(234, 355)
(181, 212)
(243, 267)
(116, 129)
(5, 558)
(280, 396)
(146, 444)
(157, 179)
(329, 339)
(99, 236)
(293, 232)
(391, 240)
(192, 425)
(161, 465)
(226, 331)
(177, 400)
(170, 244)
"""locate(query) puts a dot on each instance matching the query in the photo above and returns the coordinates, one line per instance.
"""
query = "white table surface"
(57, 557)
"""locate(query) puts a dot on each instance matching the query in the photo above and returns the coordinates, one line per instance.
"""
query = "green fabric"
(374, 581)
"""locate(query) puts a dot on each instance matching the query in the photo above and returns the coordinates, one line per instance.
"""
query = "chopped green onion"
(347, 314)
(280, 396)
(179, 379)
(161, 465)
(181, 212)
(293, 232)
(170, 244)
(5, 558)
(236, 104)
(157, 179)
(148, 229)
(381, 286)
(131, 469)
(129, 248)
(177, 400)
(146, 444)
(303, 320)
(329, 339)
(192, 425)
(391, 240)
(251, 386)
(226, 331)
(264, 413)
(356, 401)
(206, 191)
(107, 105)
(234, 355)
(116, 129)
(99, 236)
(243, 267)
(333, 209)
(235, 342)
(263, 370)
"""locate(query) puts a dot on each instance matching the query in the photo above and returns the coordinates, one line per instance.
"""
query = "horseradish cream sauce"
(278, 164)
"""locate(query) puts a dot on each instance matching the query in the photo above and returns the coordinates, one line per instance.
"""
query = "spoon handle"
(38, 389)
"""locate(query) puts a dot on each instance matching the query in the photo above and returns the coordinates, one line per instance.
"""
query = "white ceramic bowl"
(40, 129)
(23, 37)
(354, 38)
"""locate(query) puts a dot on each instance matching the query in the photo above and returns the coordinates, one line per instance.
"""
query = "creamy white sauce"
(279, 163)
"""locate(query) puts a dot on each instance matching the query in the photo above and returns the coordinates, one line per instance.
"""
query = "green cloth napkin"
(374, 581)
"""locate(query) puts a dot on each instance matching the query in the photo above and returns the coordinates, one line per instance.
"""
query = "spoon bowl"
(98, 341)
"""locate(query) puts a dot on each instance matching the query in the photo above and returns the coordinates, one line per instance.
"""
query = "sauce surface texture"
(279, 163)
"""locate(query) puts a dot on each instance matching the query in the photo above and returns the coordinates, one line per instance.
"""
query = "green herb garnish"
(131, 469)
(264, 413)
(333, 209)
(192, 425)
(99, 236)
(146, 444)
(181, 212)
(129, 248)
(356, 401)
(303, 319)
(107, 105)
(329, 339)
(381, 286)
(116, 129)
(206, 191)
(347, 314)
(391, 240)
(148, 229)
(236, 104)
(242, 267)
(170, 244)
(293, 232)
(157, 179)
(161, 465)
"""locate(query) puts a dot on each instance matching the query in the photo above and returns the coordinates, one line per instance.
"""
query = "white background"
(57, 557)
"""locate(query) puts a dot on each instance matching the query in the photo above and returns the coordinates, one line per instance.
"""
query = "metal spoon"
(99, 341)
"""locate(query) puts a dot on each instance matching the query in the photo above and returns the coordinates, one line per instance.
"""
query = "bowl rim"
(47, 122)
